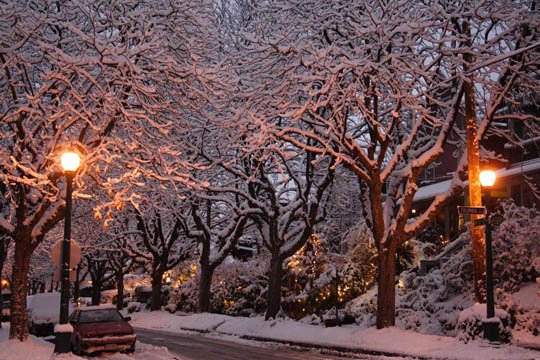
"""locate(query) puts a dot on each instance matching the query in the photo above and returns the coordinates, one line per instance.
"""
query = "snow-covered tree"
(287, 195)
(216, 228)
(379, 87)
(120, 263)
(99, 271)
(90, 75)
(160, 244)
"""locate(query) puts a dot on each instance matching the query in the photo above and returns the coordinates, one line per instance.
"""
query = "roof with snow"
(430, 191)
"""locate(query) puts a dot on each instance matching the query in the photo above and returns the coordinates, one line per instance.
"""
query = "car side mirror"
(127, 318)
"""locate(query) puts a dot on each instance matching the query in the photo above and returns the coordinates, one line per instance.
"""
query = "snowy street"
(198, 347)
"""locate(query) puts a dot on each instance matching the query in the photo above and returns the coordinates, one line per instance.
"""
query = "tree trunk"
(120, 293)
(473, 167)
(96, 292)
(1, 273)
(386, 299)
(157, 278)
(35, 287)
(19, 287)
(274, 287)
(205, 283)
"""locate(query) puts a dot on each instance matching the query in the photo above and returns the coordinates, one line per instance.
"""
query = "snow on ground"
(162, 320)
(528, 296)
(38, 349)
(35, 348)
(391, 340)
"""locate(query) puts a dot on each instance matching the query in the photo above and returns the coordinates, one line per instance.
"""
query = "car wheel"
(76, 348)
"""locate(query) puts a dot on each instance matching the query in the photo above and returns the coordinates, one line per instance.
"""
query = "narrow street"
(199, 347)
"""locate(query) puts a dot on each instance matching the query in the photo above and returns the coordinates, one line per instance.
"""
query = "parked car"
(44, 313)
(101, 328)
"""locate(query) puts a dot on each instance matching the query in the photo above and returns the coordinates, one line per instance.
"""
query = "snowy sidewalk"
(38, 349)
(390, 342)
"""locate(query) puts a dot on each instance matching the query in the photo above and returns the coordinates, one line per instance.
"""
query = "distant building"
(515, 159)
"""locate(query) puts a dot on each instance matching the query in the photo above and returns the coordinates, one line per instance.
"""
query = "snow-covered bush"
(363, 309)
(470, 325)
(525, 316)
(170, 308)
(134, 306)
(431, 303)
(431, 240)
(360, 268)
(187, 295)
(239, 288)
(516, 247)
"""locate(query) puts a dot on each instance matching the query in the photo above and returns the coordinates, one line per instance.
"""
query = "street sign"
(471, 210)
(480, 222)
(74, 259)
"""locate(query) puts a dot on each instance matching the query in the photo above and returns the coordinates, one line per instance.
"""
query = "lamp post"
(491, 327)
(70, 163)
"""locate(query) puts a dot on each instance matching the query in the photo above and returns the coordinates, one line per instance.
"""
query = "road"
(199, 347)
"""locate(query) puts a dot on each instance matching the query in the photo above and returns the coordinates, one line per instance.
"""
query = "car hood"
(105, 328)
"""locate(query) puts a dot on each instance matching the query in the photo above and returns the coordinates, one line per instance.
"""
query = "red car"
(99, 328)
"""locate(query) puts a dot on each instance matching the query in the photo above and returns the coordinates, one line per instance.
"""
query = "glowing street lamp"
(491, 326)
(487, 178)
(70, 163)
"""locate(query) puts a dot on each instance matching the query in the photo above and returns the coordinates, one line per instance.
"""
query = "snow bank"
(142, 352)
(34, 348)
(38, 349)
(204, 322)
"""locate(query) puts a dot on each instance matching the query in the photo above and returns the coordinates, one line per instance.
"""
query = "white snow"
(34, 348)
(165, 321)
(478, 311)
(430, 191)
(63, 328)
(390, 340)
(38, 349)
(528, 296)
(44, 308)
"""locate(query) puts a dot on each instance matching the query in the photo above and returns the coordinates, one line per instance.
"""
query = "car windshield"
(101, 315)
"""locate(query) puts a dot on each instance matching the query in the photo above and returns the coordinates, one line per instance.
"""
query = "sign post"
(74, 259)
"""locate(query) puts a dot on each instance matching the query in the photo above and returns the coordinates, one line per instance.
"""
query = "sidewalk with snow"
(391, 341)
(38, 349)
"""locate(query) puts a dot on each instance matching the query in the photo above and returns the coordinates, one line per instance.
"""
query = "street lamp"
(70, 163)
(491, 327)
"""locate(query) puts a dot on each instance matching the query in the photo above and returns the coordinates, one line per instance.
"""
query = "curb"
(343, 349)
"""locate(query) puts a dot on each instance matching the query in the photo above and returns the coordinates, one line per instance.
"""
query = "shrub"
(470, 325)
